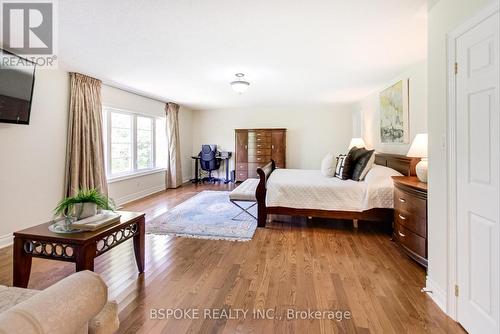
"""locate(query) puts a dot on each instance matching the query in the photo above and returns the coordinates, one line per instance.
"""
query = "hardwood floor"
(292, 264)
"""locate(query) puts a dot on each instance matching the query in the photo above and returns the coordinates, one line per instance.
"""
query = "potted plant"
(84, 204)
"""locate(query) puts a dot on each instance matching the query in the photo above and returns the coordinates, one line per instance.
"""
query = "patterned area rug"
(206, 216)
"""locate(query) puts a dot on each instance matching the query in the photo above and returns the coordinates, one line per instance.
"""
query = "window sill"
(135, 175)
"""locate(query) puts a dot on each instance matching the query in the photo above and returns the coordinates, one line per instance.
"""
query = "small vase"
(84, 210)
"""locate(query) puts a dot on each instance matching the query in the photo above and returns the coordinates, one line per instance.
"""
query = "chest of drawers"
(410, 217)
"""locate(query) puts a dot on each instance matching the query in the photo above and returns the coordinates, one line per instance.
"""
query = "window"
(135, 143)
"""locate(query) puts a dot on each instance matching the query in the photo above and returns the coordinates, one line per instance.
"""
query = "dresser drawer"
(261, 134)
(409, 204)
(254, 158)
(260, 151)
(412, 241)
(241, 175)
(259, 145)
(260, 140)
(241, 167)
(414, 223)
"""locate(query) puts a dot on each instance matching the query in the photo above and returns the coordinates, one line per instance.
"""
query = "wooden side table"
(80, 248)
(410, 217)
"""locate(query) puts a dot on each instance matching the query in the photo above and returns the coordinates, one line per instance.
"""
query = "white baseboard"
(6, 240)
(437, 294)
(138, 195)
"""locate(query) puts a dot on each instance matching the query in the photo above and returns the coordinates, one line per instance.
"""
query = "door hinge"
(456, 68)
(456, 290)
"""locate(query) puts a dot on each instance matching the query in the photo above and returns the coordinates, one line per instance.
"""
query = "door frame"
(451, 133)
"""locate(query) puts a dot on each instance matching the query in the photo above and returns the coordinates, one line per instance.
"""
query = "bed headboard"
(401, 163)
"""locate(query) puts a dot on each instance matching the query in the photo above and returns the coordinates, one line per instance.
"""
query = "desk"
(197, 170)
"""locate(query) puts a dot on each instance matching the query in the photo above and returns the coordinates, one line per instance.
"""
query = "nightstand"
(410, 217)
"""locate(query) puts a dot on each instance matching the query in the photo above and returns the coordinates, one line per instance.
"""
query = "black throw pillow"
(350, 162)
(363, 158)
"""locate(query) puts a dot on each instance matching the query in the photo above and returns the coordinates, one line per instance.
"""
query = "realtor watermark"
(238, 313)
(29, 30)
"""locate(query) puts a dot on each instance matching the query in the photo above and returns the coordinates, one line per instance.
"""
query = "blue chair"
(209, 162)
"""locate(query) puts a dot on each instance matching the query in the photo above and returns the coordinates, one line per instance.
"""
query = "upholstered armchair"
(77, 304)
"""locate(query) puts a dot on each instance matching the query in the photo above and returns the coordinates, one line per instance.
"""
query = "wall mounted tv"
(17, 78)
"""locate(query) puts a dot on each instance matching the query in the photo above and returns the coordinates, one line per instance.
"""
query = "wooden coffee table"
(81, 248)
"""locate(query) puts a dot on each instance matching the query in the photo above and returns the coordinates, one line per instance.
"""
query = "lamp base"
(421, 169)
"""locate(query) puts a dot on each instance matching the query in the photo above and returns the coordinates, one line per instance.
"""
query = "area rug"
(207, 215)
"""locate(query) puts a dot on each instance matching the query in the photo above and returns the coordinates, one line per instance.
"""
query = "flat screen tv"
(17, 78)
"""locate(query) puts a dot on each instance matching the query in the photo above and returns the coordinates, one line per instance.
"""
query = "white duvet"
(309, 189)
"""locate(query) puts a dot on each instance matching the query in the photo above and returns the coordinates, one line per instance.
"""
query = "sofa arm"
(65, 307)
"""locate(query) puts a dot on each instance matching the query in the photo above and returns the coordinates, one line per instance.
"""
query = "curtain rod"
(134, 91)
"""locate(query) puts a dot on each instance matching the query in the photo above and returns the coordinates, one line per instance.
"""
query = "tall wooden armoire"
(255, 148)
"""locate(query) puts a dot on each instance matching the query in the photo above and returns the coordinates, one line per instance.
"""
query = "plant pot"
(84, 210)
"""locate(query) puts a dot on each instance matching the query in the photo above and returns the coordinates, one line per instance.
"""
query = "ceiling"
(309, 52)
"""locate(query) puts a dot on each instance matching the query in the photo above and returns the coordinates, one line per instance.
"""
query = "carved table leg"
(139, 245)
(21, 264)
(84, 256)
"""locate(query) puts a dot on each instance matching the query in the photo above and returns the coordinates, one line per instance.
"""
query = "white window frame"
(135, 172)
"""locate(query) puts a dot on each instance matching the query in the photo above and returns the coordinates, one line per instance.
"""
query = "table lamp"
(418, 149)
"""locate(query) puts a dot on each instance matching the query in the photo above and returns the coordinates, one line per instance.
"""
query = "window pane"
(144, 123)
(121, 143)
(120, 120)
(144, 142)
(161, 143)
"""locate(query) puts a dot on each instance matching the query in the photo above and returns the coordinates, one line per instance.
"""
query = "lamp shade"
(418, 148)
(358, 142)
(240, 85)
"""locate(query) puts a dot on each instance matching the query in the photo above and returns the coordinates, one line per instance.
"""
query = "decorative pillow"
(339, 169)
(363, 163)
(328, 165)
(350, 163)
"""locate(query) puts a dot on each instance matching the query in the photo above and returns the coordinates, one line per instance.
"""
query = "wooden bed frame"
(401, 163)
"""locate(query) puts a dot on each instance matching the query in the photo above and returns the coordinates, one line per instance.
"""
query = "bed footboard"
(264, 173)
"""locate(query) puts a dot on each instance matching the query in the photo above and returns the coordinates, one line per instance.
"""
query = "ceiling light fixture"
(240, 85)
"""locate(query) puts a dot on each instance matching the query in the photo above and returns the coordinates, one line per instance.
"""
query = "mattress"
(309, 189)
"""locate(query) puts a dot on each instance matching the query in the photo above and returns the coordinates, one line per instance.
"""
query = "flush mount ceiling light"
(240, 85)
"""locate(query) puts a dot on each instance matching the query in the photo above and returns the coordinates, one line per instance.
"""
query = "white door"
(478, 157)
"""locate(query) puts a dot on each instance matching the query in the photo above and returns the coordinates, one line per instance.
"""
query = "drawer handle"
(402, 217)
(402, 200)
(401, 234)
(258, 138)
(258, 152)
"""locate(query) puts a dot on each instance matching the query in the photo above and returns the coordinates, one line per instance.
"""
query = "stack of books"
(98, 221)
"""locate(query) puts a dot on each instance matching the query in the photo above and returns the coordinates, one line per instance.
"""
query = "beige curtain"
(174, 170)
(85, 149)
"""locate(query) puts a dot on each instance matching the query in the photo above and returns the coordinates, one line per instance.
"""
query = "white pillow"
(328, 165)
(380, 172)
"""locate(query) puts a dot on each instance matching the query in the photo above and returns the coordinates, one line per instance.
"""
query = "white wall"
(32, 157)
(311, 133)
(444, 17)
(366, 113)
(137, 187)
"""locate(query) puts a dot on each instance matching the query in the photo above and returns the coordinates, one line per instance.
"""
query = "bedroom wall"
(311, 133)
(444, 17)
(366, 113)
(139, 186)
(32, 157)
